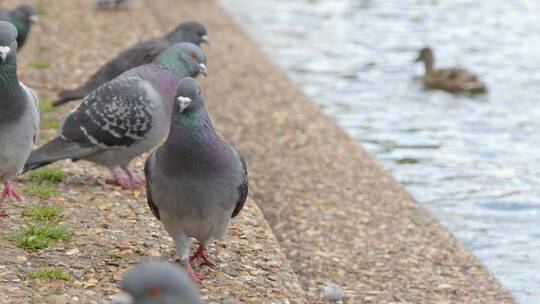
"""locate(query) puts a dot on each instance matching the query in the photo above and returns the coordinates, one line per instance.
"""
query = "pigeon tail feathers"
(53, 151)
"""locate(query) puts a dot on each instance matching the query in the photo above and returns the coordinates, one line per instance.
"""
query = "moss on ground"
(50, 274)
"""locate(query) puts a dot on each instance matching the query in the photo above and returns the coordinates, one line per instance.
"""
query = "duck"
(453, 80)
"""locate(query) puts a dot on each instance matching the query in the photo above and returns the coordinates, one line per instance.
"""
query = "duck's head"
(426, 55)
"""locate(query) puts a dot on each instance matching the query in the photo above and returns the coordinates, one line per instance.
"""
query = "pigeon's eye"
(193, 55)
(154, 292)
(194, 30)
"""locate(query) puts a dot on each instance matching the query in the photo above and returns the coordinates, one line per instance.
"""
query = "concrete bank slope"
(112, 230)
(340, 217)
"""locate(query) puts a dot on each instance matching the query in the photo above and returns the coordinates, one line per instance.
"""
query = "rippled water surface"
(474, 162)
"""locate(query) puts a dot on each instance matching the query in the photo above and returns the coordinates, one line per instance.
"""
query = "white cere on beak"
(4, 51)
(184, 103)
(203, 69)
(34, 18)
(205, 39)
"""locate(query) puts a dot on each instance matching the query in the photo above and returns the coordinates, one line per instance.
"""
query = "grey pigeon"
(113, 4)
(22, 18)
(125, 117)
(157, 283)
(19, 113)
(195, 181)
(141, 53)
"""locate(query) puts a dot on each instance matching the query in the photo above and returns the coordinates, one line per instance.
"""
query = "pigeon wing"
(116, 114)
(242, 190)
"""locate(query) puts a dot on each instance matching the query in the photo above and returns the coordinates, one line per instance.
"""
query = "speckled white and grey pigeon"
(22, 17)
(157, 283)
(141, 53)
(113, 4)
(19, 113)
(125, 117)
(195, 181)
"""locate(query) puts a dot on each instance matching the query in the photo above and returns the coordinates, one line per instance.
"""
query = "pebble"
(21, 259)
(12, 278)
(123, 244)
(333, 292)
(73, 251)
(77, 274)
(152, 253)
(101, 242)
(118, 276)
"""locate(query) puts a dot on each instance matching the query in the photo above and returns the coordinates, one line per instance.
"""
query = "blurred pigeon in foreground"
(22, 18)
(125, 117)
(195, 181)
(19, 113)
(113, 4)
(141, 53)
(157, 283)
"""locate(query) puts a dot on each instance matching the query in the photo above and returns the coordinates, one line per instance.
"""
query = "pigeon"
(22, 18)
(157, 283)
(125, 117)
(141, 53)
(19, 113)
(195, 181)
(113, 4)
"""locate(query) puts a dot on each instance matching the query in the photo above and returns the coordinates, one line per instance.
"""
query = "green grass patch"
(41, 65)
(44, 189)
(43, 212)
(46, 106)
(49, 274)
(35, 236)
(43, 48)
(50, 123)
(47, 174)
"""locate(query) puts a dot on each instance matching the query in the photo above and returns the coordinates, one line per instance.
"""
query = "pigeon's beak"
(184, 103)
(34, 19)
(205, 39)
(202, 69)
(122, 298)
(4, 51)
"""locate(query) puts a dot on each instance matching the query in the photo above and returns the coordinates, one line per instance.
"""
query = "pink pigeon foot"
(9, 193)
(134, 179)
(195, 276)
(122, 182)
(200, 254)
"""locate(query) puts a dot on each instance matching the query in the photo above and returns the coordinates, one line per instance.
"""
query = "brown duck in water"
(454, 80)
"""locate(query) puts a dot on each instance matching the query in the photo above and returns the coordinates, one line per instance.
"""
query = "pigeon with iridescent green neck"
(19, 113)
(141, 53)
(195, 181)
(125, 117)
(22, 18)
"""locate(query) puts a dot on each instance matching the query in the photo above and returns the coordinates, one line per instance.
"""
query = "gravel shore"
(339, 216)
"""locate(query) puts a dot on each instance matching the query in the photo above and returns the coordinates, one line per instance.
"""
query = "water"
(474, 162)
